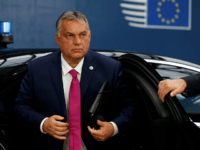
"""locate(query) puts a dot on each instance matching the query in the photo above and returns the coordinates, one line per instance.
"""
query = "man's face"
(74, 39)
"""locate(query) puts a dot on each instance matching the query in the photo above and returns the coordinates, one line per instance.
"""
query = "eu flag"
(168, 13)
(158, 14)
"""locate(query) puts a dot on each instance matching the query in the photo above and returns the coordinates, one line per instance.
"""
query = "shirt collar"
(66, 67)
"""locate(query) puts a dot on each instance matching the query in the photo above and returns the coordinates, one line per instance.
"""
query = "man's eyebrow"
(68, 33)
(83, 32)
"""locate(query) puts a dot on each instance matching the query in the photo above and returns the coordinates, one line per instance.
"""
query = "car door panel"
(171, 116)
(16, 133)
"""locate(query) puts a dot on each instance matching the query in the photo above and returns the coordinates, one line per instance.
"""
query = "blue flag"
(160, 14)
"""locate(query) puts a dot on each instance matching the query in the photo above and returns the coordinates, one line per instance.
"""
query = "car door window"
(190, 104)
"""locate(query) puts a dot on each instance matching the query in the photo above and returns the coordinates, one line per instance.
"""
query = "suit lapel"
(56, 78)
(88, 69)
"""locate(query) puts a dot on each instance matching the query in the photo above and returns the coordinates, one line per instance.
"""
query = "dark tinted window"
(190, 104)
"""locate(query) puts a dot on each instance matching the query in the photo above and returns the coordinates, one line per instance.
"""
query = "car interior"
(154, 128)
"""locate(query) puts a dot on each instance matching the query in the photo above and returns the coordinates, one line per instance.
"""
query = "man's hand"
(56, 128)
(175, 86)
(106, 130)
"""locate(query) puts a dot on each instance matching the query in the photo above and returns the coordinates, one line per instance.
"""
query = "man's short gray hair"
(71, 15)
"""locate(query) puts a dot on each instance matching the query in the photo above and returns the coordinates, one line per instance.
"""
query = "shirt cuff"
(41, 125)
(115, 128)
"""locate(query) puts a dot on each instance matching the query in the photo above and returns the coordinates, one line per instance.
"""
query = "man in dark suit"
(188, 86)
(43, 98)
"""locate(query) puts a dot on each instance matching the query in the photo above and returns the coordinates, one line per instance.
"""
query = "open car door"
(159, 125)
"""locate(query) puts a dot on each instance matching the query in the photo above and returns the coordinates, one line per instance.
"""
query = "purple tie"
(74, 113)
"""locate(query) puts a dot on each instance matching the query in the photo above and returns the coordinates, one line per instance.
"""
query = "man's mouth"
(77, 49)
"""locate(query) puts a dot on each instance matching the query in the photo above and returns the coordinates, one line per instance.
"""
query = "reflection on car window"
(145, 56)
(173, 72)
(112, 54)
(190, 104)
(16, 60)
(1, 61)
(41, 55)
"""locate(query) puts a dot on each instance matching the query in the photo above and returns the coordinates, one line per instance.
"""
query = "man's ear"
(90, 35)
(57, 39)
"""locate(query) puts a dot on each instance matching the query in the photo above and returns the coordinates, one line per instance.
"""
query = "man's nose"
(77, 40)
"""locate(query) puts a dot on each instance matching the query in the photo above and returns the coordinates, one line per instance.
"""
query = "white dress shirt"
(67, 78)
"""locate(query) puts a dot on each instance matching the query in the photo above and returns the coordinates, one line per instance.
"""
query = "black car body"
(159, 125)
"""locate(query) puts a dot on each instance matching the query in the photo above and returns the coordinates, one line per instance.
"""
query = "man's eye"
(68, 36)
(83, 34)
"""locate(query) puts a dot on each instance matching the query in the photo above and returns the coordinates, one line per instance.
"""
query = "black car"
(166, 126)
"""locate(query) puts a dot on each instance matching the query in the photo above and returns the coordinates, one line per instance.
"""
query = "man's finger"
(61, 124)
(173, 93)
(57, 117)
(61, 129)
(60, 137)
(93, 131)
(89, 129)
(161, 95)
(61, 133)
(100, 123)
(163, 89)
(162, 99)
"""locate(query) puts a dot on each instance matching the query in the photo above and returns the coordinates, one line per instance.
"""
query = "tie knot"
(73, 73)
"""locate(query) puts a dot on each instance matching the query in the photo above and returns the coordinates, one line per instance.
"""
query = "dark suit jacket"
(193, 85)
(41, 95)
